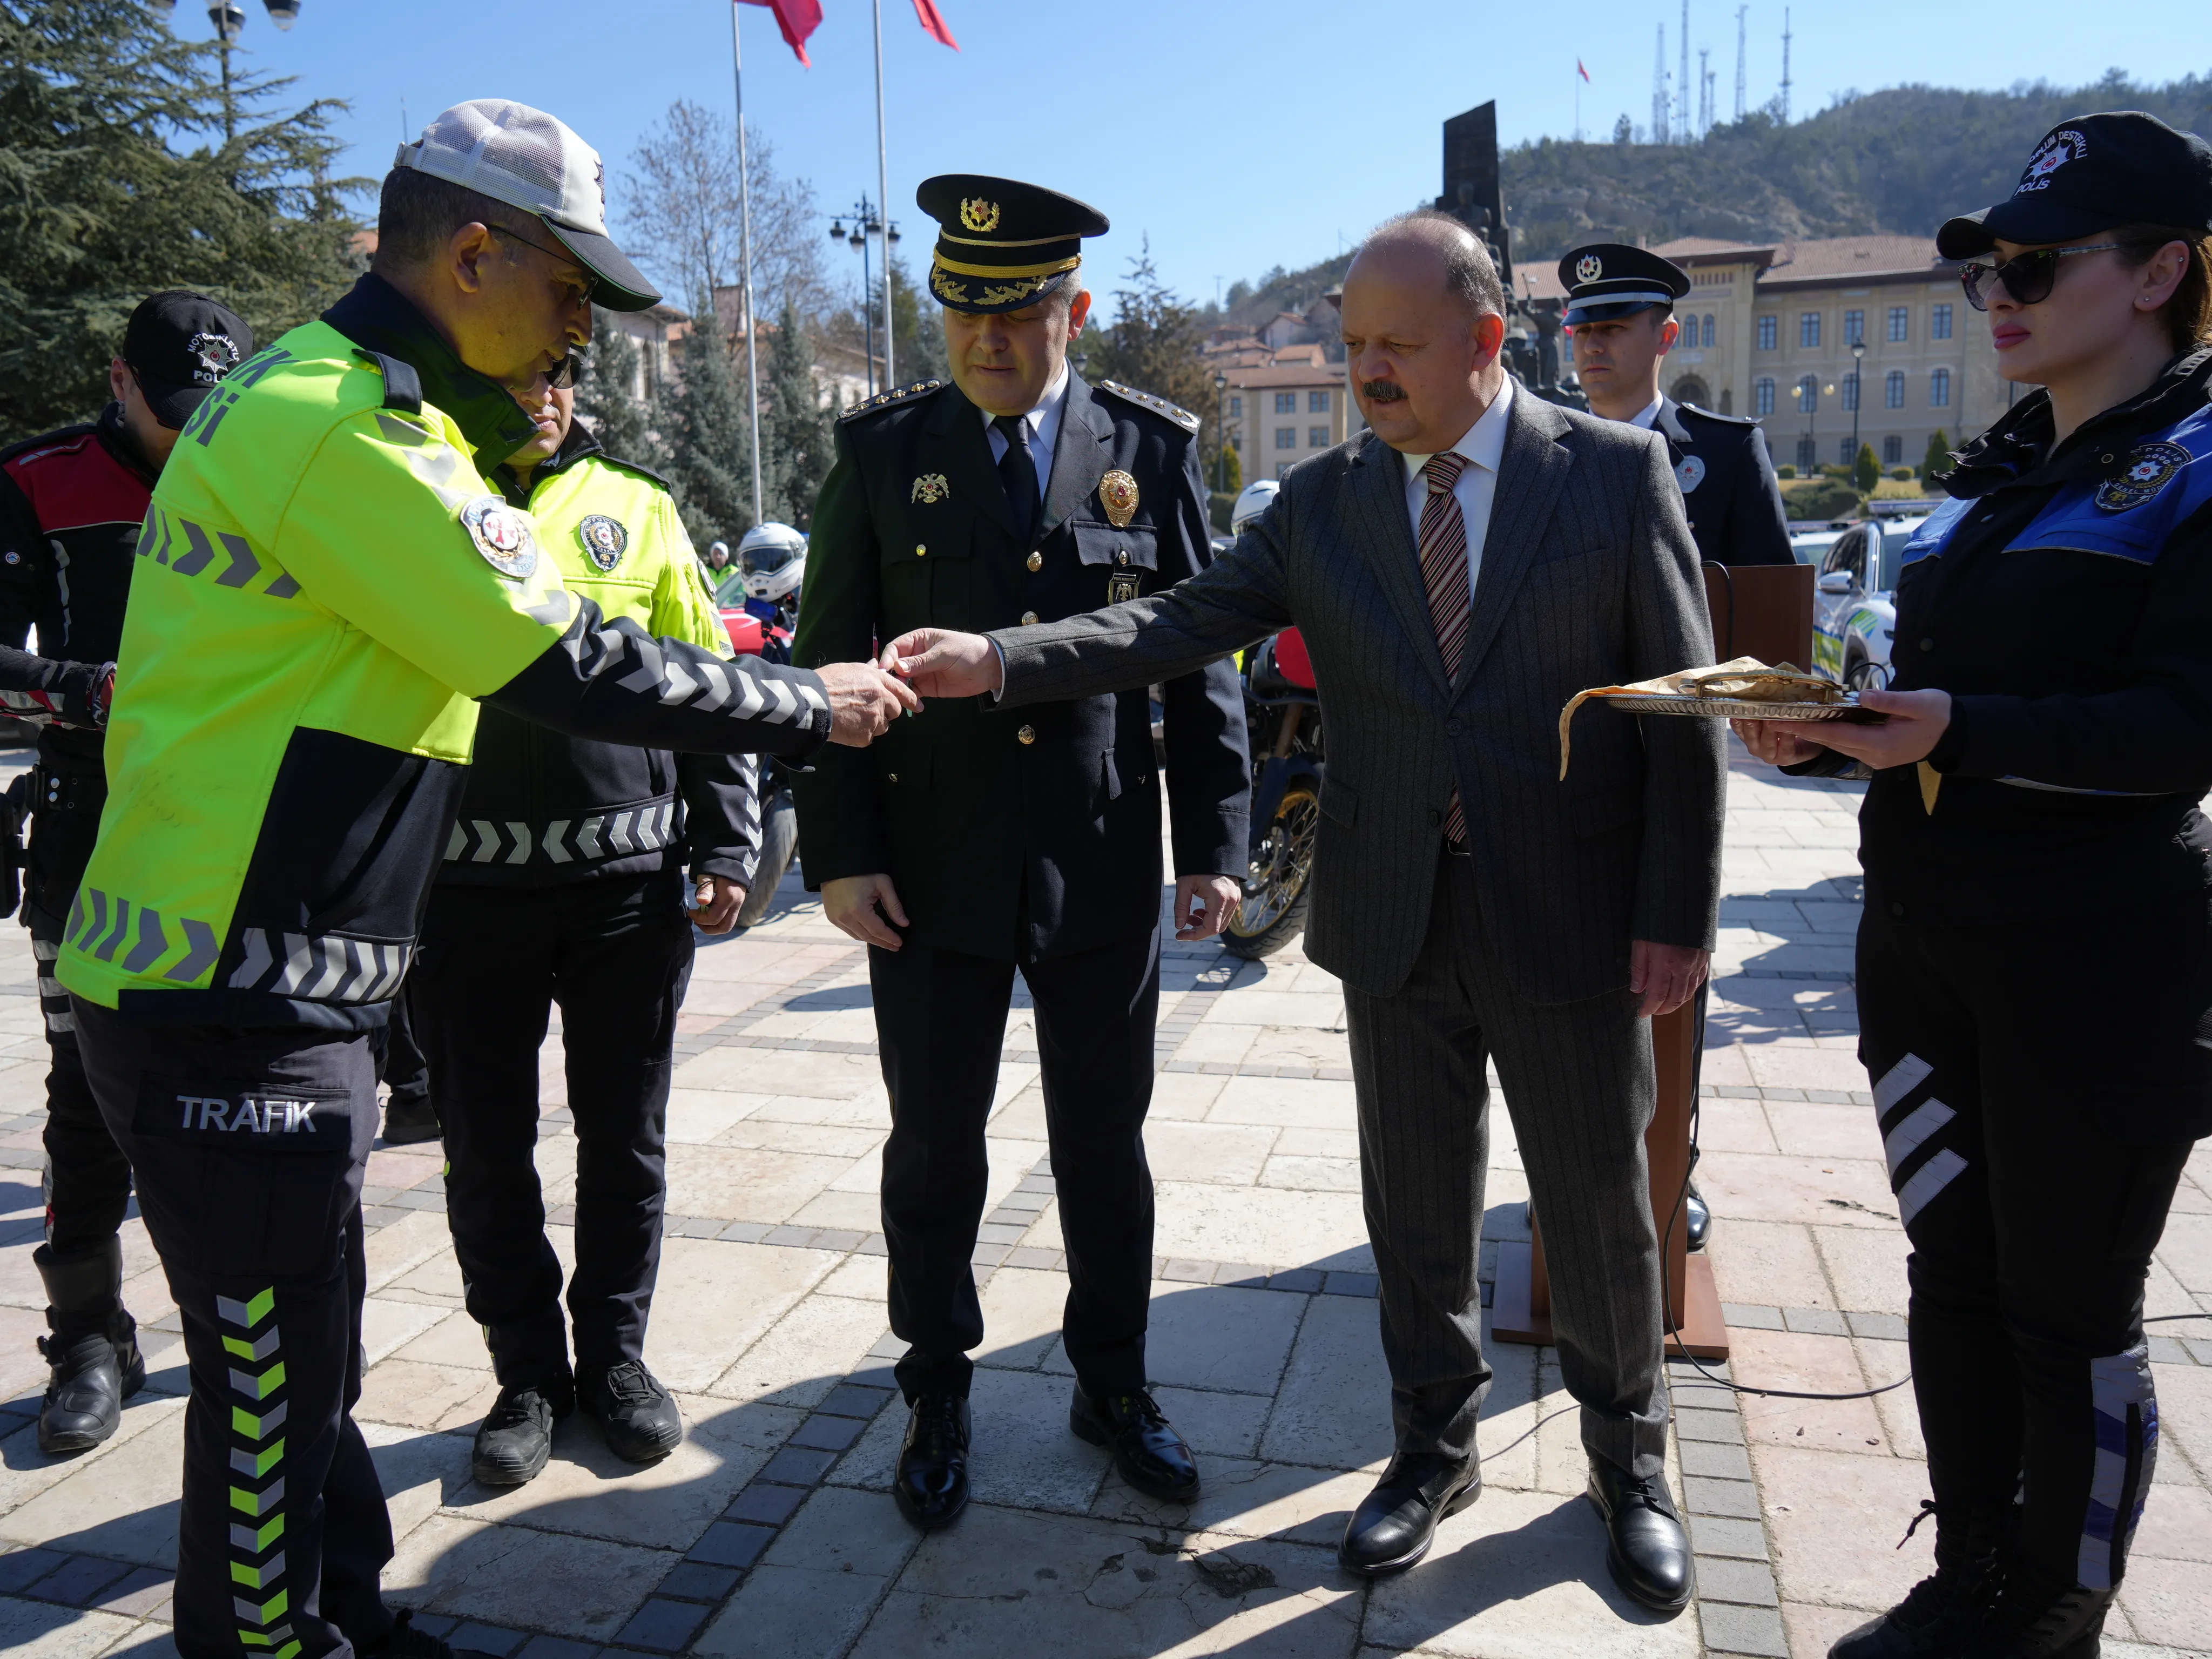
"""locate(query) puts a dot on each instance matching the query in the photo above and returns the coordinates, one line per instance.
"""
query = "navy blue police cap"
(1001, 244)
(2090, 175)
(1607, 281)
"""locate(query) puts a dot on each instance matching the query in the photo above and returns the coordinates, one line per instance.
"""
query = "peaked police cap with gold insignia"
(1001, 244)
(1607, 281)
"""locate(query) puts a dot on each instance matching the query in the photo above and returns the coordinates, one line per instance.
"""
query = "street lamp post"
(1858, 394)
(1220, 436)
(867, 223)
(229, 20)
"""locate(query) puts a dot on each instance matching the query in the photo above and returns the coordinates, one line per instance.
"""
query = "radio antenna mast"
(1785, 66)
(1659, 90)
(1739, 11)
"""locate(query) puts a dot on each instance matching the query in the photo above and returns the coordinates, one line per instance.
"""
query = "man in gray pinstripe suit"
(1459, 571)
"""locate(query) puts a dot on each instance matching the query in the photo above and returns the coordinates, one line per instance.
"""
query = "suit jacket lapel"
(958, 444)
(1530, 474)
(1080, 454)
(1385, 536)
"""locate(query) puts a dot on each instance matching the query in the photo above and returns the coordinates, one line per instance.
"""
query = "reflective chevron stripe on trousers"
(2030, 1125)
(249, 1148)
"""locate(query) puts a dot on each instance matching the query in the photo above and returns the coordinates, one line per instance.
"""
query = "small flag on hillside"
(1580, 70)
(934, 21)
(797, 19)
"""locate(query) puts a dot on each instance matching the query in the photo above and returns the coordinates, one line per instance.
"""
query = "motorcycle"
(759, 602)
(1289, 761)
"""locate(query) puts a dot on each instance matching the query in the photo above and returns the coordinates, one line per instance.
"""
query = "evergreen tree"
(621, 421)
(1866, 472)
(917, 330)
(1938, 457)
(104, 207)
(795, 443)
(1152, 345)
(710, 440)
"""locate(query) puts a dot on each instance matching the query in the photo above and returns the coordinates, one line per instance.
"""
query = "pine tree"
(1938, 457)
(795, 443)
(1152, 345)
(710, 459)
(917, 328)
(623, 421)
(102, 209)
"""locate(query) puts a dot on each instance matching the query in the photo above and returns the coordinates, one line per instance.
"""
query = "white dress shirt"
(1044, 431)
(1644, 417)
(1484, 446)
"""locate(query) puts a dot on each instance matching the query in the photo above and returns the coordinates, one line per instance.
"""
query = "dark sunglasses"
(2029, 277)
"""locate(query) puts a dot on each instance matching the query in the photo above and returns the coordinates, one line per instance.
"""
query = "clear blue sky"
(1238, 135)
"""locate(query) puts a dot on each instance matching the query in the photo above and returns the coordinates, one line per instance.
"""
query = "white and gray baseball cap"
(528, 160)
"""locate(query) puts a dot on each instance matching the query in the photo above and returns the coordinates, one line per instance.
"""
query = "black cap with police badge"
(2090, 175)
(180, 344)
(1607, 281)
(1001, 244)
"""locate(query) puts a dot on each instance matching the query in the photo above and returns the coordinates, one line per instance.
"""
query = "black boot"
(516, 1437)
(94, 1350)
(2041, 1614)
(642, 1423)
(1941, 1613)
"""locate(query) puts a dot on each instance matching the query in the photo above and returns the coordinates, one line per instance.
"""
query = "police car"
(1855, 600)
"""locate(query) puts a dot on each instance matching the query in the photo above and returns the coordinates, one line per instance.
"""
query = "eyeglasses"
(2028, 276)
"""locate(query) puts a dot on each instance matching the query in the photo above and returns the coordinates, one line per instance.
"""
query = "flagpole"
(745, 257)
(884, 191)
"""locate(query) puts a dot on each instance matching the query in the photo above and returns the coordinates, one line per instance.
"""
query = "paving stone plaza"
(771, 1532)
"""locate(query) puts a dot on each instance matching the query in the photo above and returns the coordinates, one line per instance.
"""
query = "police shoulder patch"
(886, 400)
(2150, 468)
(502, 534)
(604, 540)
(1181, 417)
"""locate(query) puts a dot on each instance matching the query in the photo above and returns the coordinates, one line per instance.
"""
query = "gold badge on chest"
(1117, 493)
(930, 488)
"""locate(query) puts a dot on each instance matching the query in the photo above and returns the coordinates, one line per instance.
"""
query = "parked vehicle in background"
(1855, 600)
(759, 597)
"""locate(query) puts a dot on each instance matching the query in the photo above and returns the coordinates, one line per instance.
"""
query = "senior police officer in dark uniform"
(1620, 302)
(975, 841)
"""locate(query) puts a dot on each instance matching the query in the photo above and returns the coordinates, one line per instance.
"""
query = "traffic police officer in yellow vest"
(325, 585)
(563, 883)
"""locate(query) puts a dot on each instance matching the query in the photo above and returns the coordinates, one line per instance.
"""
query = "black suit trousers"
(1580, 1085)
(940, 1021)
(617, 956)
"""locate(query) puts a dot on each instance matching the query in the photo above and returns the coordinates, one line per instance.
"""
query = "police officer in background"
(563, 884)
(975, 841)
(71, 506)
(2034, 964)
(328, 588)
(1620, 303)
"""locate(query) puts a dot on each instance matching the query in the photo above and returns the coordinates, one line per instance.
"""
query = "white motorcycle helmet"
(1256, 498)
(774, 559)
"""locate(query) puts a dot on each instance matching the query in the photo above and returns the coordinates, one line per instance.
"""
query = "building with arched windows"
(1767, 331)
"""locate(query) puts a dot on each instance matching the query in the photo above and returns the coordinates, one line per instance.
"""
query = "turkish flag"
(934, 20)
(797, 19)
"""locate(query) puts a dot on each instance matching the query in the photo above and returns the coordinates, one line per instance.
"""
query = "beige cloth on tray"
(1666, 685)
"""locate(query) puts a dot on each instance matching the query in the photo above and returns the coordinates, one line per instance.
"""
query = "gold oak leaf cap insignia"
(1002, 244)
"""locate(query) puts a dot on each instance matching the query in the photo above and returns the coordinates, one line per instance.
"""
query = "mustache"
(1382, 392)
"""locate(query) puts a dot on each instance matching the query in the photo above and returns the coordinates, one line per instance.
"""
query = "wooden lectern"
(1758, 610)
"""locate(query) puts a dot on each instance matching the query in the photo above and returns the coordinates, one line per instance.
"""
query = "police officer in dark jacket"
(563, 883)
(1620, 302)
(975, 842)
(2035, 958)
(71, 506)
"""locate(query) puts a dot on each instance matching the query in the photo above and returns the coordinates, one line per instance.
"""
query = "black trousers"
(88, 1179)
(401, 1067)
(250, 1147)
(617, 956)
(2036, 1128)
(1580, 1085)
(940, 1021)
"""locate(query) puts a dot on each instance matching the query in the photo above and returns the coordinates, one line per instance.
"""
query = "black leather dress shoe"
(642, 1422)
(1150, 1454)
(931, 1483)
(1395, 1523)
(516, 1437)
(1647, 1549)
(1696, 1218)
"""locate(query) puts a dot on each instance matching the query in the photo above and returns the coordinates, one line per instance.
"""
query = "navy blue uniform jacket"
(972, 809)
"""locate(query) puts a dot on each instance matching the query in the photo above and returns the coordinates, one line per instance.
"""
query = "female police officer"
(2035, 959)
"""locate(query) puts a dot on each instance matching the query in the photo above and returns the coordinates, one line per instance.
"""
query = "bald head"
(1424, 319)
(1436, 242)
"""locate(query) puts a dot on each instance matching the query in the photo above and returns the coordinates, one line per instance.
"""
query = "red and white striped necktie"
(1443, 572)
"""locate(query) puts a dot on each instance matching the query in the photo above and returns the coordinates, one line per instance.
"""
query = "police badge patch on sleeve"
(502, 535)
(606, 540)
(2149, 470)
